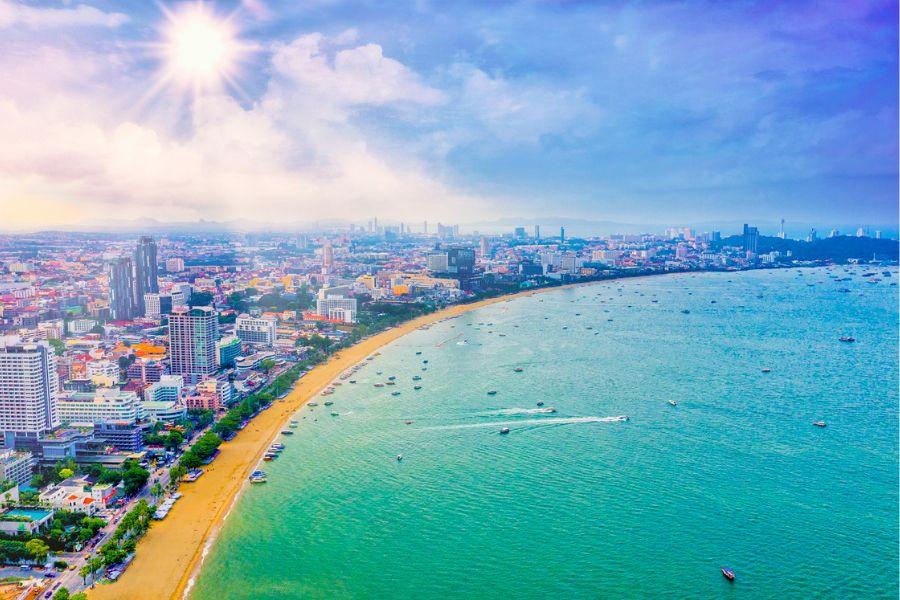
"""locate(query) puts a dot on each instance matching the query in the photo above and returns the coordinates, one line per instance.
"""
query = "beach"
(168, 557)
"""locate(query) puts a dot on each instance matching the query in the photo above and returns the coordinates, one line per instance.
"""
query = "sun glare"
(198, 50)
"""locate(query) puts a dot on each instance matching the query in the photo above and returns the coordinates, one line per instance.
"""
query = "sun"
(198, 50)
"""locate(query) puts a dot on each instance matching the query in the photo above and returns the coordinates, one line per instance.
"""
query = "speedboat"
(767, 370)
(407, 422)
(518, 370)
(504, 430)
(672, 402)
(417, 387)
(417, 377)
(492, 393)
(399, 457)
(329, 403)
(847, 339)
(312, 403)
(395, 393)
(728, 573)
(540, 403)
(819, 423)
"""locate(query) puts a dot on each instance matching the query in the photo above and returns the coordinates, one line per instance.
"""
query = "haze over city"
(652, 114)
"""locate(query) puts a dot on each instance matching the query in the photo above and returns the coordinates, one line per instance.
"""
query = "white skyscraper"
(29, 387)
(193, 333)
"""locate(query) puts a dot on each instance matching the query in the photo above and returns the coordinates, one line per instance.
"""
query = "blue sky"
(641, 112)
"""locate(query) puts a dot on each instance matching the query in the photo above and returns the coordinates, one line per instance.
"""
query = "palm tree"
(156, 491)
(84, 572)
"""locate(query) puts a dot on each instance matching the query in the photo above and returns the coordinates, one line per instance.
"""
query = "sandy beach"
(170, 554)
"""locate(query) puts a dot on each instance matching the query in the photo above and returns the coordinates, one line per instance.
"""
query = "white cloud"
(82, 15)
(77, 156)
(346, 77)
(517, 110)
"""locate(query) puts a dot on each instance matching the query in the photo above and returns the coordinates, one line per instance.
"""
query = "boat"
(352, 381)
(685, 312)
(392, 377)
(399, 457)
(379, 385)
(294, 425)
(518, 370)
(417, 387)
(391, 383)
(672, 402)
(334, 414)
(397, 393)
(425, 362)
(819, 423)
(268, 457)
(287, 432)
(312, 404)
(492, 393)
(418, 353)
(258, 477)
(407, 422)
(329, 403)
(417, 378)
(728, 573)
(540, 403)
(766, 370)
(504, 430)
(846, 339)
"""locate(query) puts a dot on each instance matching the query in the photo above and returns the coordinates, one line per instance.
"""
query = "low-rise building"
(17, 466)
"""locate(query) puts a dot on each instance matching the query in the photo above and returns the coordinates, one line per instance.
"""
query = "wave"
(557, 421)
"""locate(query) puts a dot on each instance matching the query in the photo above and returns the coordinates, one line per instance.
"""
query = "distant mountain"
(839, 248)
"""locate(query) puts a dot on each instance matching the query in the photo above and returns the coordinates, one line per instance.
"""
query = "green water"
(572, 504)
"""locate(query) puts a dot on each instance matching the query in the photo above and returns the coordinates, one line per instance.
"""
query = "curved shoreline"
(169, 557)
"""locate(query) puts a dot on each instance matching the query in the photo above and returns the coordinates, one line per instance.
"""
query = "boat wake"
(555, 421)
(520, 411)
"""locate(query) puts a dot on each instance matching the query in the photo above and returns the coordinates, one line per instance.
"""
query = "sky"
(636, 112)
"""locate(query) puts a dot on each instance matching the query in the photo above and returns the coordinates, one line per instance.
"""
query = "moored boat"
(819, 423)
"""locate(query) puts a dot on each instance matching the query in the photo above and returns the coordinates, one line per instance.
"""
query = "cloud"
(347, 77)
(82, 15)
(278, 160)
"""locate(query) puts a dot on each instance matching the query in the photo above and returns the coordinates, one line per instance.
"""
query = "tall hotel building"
(29, 388)
(121, 289)
(146, 276)
(193, 334)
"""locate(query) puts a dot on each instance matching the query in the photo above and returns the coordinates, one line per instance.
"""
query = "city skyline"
(269, 112)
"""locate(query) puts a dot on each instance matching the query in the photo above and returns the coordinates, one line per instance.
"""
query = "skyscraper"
(562, 235)
(751, 239)
(327, 259)
(121, 289)
(193, 334)
(29, 387)
(146, 280)
(485, 247)
(537, 232)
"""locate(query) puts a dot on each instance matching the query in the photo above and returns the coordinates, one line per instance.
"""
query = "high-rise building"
(537, 232)
(181, 294)
(255, 330)
(485, 247)
(193, 333)
(146, 280)
(751, 239)
(174, 265)
(156, 305)
(228, 349)
(715, 236)
(337, 308)
(121, 289)
(781, 233)
(29, 388)
(877, 234)
(327, 259)
(520, 232)
(562, 235)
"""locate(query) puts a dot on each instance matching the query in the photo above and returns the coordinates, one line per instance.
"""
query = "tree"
(156, 490)
(267, 365)
(38, 550)
(176, 473)
(84, 571)
(78, 596)
(59, 346)
(65, 473)
(62, 594)
(134, 477)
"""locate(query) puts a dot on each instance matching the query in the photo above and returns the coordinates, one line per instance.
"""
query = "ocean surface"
(577, 503)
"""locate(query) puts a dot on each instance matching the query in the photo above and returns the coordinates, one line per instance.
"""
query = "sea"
(601, 488)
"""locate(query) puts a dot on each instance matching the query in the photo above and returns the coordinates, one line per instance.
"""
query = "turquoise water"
(573, 504)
